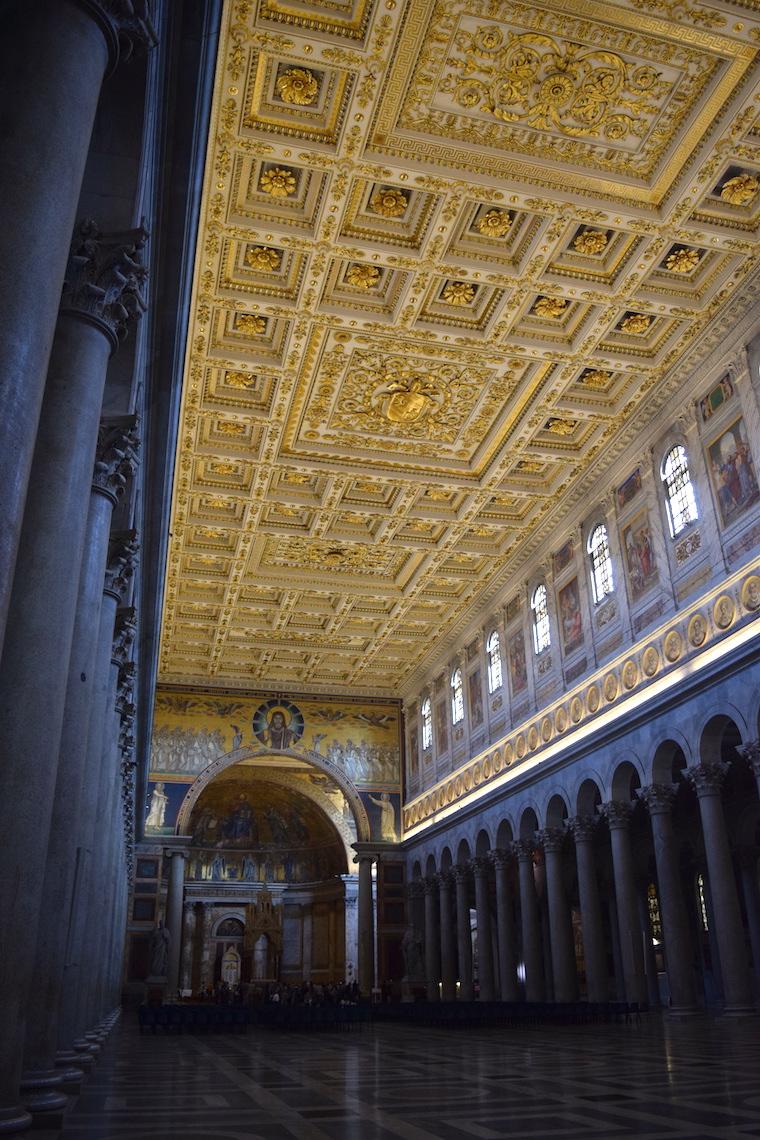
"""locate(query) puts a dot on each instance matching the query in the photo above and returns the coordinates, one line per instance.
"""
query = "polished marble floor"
(691, 1080)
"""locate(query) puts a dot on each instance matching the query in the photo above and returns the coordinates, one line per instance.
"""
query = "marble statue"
(158, 802)
(411, 948)
(159, 951)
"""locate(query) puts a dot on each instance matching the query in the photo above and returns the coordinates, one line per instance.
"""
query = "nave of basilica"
(379, 567)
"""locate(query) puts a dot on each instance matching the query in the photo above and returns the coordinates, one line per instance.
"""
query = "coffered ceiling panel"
(450, 252)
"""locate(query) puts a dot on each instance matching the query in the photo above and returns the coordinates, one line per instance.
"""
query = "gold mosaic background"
(450, 255)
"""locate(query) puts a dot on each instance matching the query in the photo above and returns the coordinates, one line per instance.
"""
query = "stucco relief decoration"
(740, 190)
(635, 323)
(298, 86)
(590, 241)
(682, 260)
(550, 307)
(264, 259)
(278, 182)
(389, 202)
(494, 223)
(362, 276)
(543, 82)
(240, 380)
(458, 293)
(250, 325)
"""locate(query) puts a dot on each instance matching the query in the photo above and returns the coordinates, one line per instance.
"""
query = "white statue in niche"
(157, 812)
(231, 967)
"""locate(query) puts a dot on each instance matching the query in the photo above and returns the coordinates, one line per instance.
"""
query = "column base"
(14, 1120)
(42, 1096)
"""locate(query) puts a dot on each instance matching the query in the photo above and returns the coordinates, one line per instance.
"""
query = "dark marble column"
(509, 987)
(432, 940)
(530, 923)
(53, 57)
(174, 901)
(114, 463)
(486, 988)
(748, 857)
(707, 780)
(658, 799)
(595, 957)
(560, 926)
(189, 920)
(464, 935)
(366, 926)
(100, 294)
(448, 943)
(618, 816)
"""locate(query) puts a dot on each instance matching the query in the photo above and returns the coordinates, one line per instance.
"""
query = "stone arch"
(358, 811)
(430, 867)
(528, 824)
(482, 843)
(237, 914)
(625, 780)
(556, 811)
(464, 853)
(588, 797)
(666, 761)
(719, 732)
(446, 859)
(504, 835)
(416, 870)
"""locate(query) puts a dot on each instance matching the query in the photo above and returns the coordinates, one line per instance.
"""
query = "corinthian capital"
(658, 798)
(122, 556)
(707, 779)
(523, 849)
(481, 865)
(124, 634)
(127, 26)
(551, 838)
(104, 278)
(116, 455)
(751, 753)
(500, 858)
(616, 812)
(583, 828)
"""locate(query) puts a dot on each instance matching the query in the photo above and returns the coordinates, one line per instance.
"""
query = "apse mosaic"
(192, 730)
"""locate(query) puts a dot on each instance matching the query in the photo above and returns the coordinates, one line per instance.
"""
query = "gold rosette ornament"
(635, 323)
(550, 307)
(238, 380)
(278, 182)
(251, 325)
(494, 223)
(297, 85)
(389, 202)
(262, 258)
(590, 241)
(740, 190)
(682, 260)
(362, 276)
(458, 293)
(596, 378)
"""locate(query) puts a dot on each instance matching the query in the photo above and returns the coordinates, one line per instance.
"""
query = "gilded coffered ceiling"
(450, 253)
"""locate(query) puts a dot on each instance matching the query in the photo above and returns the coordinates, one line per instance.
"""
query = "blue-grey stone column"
(448, 944)
(101, 292)
(464, 933)
(618, 816)
(560, 926)
(505, 928)
(480, 871)
(530, 922)
(594, 953)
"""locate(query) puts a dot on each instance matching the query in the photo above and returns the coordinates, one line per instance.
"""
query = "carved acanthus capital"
(127, 26)
(616, 812)
(126, 682)
(481, 866)
(523, 850)
(751, 753)
(122, 559)
(707, 779)
(658, 798)
(500, 858)
(415, 889)
(104, 278)
(445, 880)
(551, 838)
(124, 634)
(583, 828)
(116, 456)
(430, 886)
(461, 873)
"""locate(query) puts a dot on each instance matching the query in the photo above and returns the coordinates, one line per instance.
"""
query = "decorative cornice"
(104, 279)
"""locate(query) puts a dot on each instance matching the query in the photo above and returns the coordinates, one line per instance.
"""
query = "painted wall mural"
(639, 555)
(189, 731)
(732, 471)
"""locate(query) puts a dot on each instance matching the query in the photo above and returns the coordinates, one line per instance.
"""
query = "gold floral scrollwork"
(590, 241)
(408, 398)
(596, 378)
(263, 258)
(558, 426)
(297, 85)
(458, 293)
(682, 260)
(556, 85)
(278, 182)
(494, 223)
(389, 202)
(740, 190)
(550, 307)
(362, 276)
(250, 325)
(635, 323)
(238, 380)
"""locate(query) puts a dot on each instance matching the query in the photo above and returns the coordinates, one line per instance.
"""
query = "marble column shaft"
(115, 457)
(448, 943)
(505, 929)
(366, 927)
(530, 923)
(188, 941)
(173, 921)
(594, 954)
(486, 987)
(618, 817)
(560, 927)
(658, 799)
(729, 930)
(464, 935)
(432, 940)
(53, 57)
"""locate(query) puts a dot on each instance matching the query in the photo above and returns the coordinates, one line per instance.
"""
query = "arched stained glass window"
(457, 697)
(493, 649)
(541, 633)
(601, 563)
(427, 723)
(680, 501)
